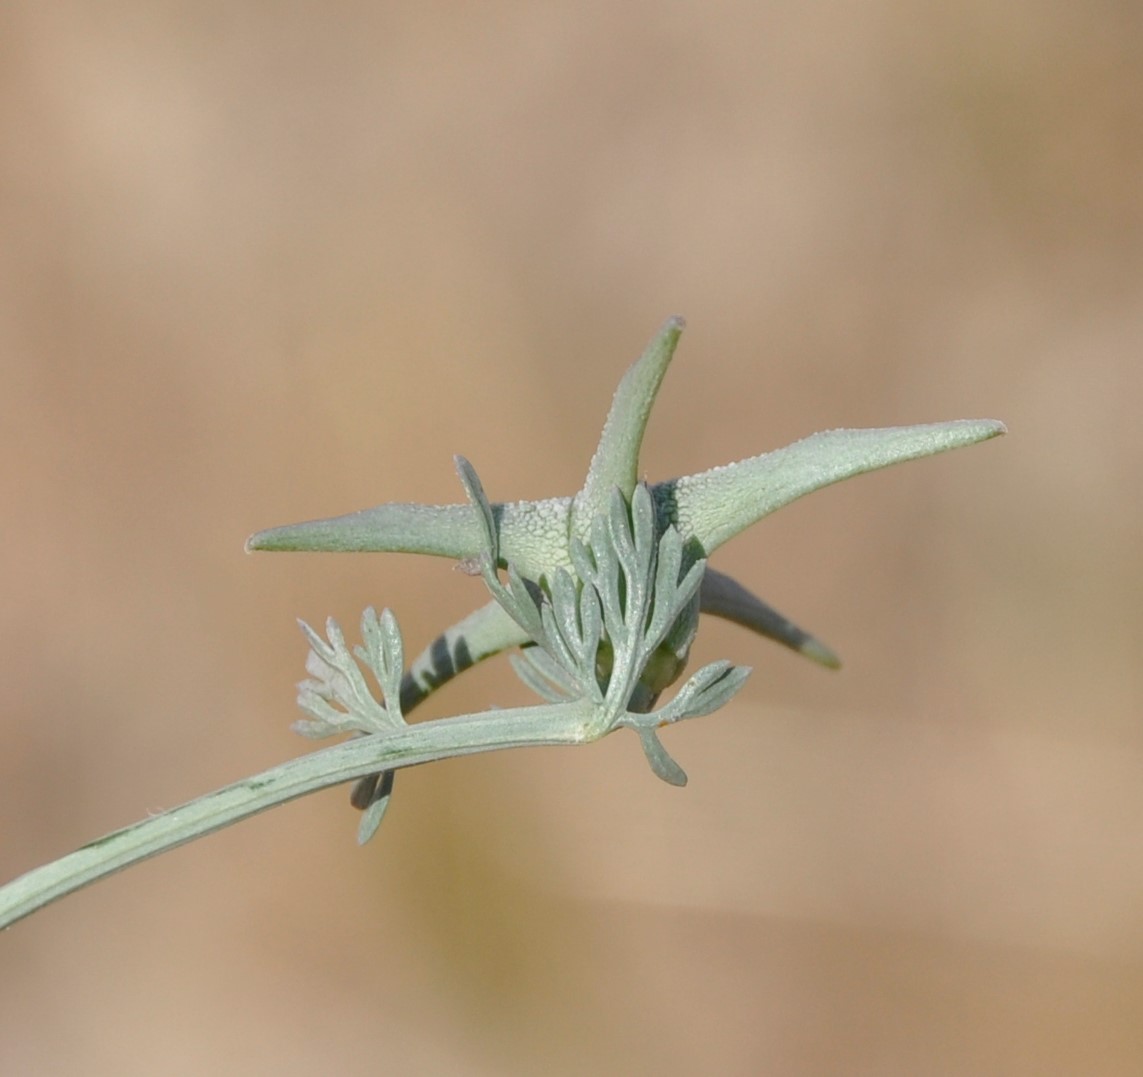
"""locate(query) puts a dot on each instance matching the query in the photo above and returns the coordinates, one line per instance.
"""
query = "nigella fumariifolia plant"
(599, 594)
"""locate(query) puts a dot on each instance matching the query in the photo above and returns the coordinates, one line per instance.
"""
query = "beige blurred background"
(265, 262)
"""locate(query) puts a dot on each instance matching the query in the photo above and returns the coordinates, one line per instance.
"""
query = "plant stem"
(552, 724)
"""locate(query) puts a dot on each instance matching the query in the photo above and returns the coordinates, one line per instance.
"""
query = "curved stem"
(553, 724)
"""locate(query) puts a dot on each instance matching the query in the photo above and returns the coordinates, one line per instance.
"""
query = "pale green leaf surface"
(716, 505)
(532, 534)
(615, 465)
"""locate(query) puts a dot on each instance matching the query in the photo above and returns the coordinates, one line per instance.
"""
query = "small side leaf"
(371, 817)
(383, 652)
(336, 696)
(661, 762)
(706, 691)
(543, 675)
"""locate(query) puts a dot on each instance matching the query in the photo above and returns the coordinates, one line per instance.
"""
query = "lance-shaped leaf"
(723, 596)
(533, 534)
(615, 465)
(714, 506)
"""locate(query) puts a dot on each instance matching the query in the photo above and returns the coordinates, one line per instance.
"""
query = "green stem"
(520, 727)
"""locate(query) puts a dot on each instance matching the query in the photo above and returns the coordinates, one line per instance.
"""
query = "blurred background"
(268, 262)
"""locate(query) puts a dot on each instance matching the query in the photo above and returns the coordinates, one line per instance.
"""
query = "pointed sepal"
(532, 534)
(615, 465)
(716, 505)
(725, 597)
